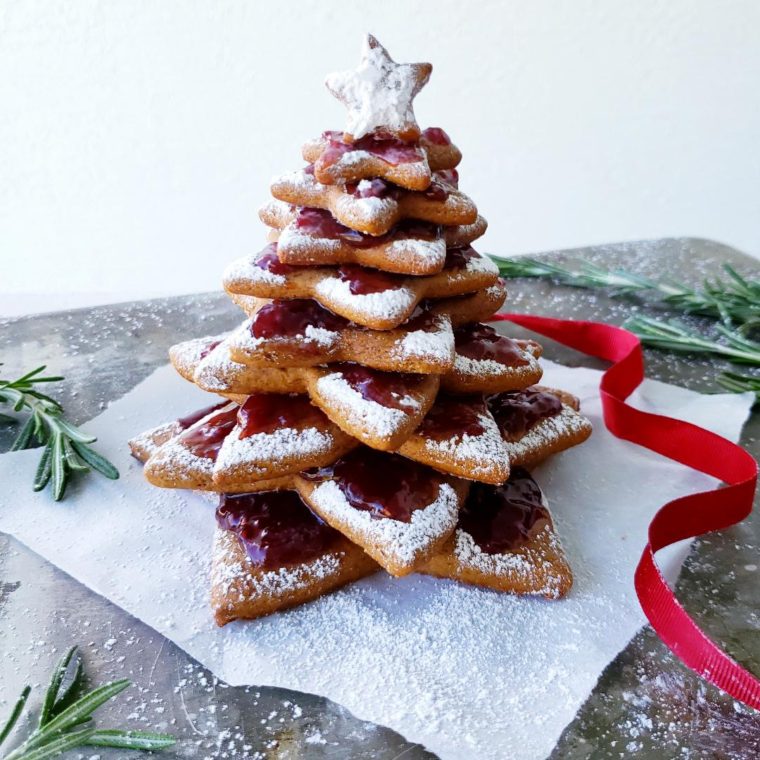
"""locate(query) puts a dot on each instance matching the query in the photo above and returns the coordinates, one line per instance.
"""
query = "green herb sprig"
(674, 336)
(734, 301)
(63, 711)
(66, 450)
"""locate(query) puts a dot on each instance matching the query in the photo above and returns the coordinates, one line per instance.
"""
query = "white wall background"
(137, 138)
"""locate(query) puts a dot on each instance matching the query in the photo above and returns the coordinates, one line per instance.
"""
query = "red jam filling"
(482, 342)
(422, 318)
(500, 518)
(207, 349)
(381, 145)
(371, 188)
(516, 412)
(436, 136)
(320, 223)
(190, 419)
(362, 281)
(388, 389)
(206, 440)
(269, 261)
(275, 528)
(454, 416)
(386, 485)
(268, 412)
(288, 318)
(438, 189)
(459, 256)
(449, 176)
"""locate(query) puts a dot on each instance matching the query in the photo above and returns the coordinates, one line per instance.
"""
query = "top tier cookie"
(383, 193)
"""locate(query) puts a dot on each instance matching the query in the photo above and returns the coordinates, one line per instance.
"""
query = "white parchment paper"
(466, 672)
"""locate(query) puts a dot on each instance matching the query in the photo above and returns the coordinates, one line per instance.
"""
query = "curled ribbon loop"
(686, 517)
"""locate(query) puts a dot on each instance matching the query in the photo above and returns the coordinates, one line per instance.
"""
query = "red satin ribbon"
(687, 517)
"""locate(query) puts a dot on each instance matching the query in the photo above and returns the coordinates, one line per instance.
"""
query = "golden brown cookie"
(408, 165)
(309, 236)
(378, 94)
(267, 437)
(517, 367)
(487, 362)
(505, 540)
(398, 511)
(380, 409)
(300, 332)
(536, 423)
(459, 436)
(374, 206)
(271, 553)
(367, 297)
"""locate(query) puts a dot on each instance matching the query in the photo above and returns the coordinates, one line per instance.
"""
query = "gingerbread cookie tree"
(370, 419)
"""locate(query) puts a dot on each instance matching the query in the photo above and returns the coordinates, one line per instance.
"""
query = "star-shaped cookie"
(379, 93)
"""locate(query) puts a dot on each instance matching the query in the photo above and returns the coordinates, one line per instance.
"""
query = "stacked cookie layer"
(370, 418)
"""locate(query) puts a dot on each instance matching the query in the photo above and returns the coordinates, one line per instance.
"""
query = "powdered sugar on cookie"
(261, 451)
(479, 453)
(375, 419)
(236, 578)
(568, 424)
(436, 344)
(379, 92)
(393, 303)
(400, 543)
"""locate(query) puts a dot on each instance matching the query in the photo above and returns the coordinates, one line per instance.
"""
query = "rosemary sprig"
(63, 711)
(66, 448)
(734, 301)
(674, 336)
(739, 383)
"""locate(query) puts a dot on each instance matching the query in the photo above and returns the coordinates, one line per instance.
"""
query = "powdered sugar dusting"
(393, 303)
(146, 444)
(216, 369)
(232, 570)
(529, 564)
(549, 430)
(321, 336)
(403, 543)
(379, 92)
(482, 368)
(481, 263)
(245, 341)
(480, 453)
(186, 355)
(245, 270)
(260, 451)
(178, 462)
(437, 344)
(374, 419)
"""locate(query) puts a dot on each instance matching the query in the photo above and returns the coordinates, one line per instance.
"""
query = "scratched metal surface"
(645, 704)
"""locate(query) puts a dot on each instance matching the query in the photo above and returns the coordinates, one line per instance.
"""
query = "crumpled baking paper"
(466, 672)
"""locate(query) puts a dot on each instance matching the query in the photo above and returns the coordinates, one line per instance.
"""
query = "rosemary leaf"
(15, 714)
(59, 467)
(77, 712)
(44, 468)
(130, 740)
(24, 438)
(735, 301)
(66, 446)
(51, 695)
(95, 460)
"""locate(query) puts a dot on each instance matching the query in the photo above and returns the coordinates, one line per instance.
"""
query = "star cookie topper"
(379, 93)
